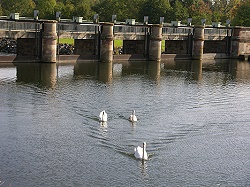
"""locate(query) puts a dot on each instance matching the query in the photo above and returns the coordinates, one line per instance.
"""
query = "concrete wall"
(176, 46)
(84, 47)
(240, 42)
(26, 47)
(133, 46)
(215, 46)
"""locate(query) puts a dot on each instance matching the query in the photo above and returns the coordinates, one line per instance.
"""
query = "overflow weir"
(37, 41)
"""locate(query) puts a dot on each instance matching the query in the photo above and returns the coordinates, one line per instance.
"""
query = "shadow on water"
(100, 71)
(45, 74)
(233, 69)
(40, 74)
(154, 70)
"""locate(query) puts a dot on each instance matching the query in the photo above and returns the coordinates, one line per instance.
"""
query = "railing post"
(155, 43)
(198, 43)
(106, 45)
(49, 43)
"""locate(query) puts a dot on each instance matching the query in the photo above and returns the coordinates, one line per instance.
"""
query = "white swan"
(140, 152)
(103, 117)
(133, 117)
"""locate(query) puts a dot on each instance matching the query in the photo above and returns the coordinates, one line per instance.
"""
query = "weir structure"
(37, 41)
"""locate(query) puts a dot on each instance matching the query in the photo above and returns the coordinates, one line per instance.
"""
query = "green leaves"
(23, 7)
(173, 10)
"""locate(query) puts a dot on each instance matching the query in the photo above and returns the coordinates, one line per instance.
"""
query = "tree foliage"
(24, 7)
(173, 10)
(242, 16)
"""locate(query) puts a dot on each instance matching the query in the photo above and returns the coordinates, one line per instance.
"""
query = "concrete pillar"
(240, 42)
(49, 42)
(198, 43)
(106, 44)
(155, 43)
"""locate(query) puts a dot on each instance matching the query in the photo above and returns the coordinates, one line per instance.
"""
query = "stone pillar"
(49, 42)
(155, 43)
(198, 43)
(106, 44)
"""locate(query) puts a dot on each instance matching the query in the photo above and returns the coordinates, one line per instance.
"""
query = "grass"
(66, 40)
(117, 43)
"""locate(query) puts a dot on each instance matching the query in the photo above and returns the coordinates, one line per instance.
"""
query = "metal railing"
(176, 30)
(73, 27)
(221, 32)
(210, 32)
(128, 29)
(18, 26)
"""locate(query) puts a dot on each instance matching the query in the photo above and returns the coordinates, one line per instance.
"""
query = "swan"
(103, 116)
(133, 117)
(140, 152)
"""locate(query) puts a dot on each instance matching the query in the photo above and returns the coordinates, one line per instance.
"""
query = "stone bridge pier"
(155, 43)
(106, 43)
(49, 41)
(198, 43)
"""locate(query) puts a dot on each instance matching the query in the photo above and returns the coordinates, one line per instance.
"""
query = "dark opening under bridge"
(37, 40)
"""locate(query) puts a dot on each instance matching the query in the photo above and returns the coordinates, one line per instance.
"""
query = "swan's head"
(133, 111)
(144, 144)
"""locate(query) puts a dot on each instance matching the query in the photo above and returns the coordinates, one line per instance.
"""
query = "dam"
(37, 41)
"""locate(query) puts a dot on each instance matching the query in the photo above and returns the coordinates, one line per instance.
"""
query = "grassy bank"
(117, 43)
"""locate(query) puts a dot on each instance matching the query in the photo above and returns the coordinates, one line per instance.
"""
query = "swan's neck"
(143, 151)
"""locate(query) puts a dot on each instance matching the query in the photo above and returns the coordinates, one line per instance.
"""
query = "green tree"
(199, 10)
(242, 16)
(102, 6)
(84, 8)
(23, 7)
(177, 12)
(223, 9)
(155, 9)
(1, 10)
(46, 9)
(122, 8)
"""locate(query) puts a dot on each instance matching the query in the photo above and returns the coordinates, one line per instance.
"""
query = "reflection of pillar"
(155, 43)
(49, 42)
(106, 46)
(39, 73)
(198, 43)
(48, 75)
(154, 70)
(239, 69)
(85, 69)
(196, 70)
(105, 72)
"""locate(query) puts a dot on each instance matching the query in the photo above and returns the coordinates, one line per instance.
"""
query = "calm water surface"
(195, 120)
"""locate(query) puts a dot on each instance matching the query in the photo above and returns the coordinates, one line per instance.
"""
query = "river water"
(194, 118)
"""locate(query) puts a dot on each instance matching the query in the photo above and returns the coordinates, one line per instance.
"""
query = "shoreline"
(13, 58)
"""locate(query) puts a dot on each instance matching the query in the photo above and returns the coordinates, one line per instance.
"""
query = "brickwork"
(26, 46)
(175, 47)
(133, 46)
(215, 46)
(84, 47)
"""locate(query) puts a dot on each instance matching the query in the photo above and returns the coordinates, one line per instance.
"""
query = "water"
(194, 119)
